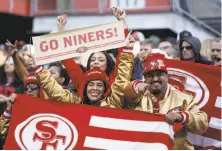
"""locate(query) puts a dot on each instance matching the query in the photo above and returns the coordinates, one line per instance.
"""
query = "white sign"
(73, 43)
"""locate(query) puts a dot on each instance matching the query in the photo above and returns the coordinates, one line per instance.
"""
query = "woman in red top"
(101, 60)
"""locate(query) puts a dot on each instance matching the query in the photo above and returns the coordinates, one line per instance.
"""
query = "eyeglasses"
(32, 87)
(165, 47)
(187, 47)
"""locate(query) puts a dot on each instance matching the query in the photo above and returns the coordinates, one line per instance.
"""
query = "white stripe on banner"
(215, 123)
(204, 141)
(218, 102)
(131, 125)
(101, 143)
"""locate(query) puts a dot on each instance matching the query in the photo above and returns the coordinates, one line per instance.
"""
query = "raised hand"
(12, 48)
(129, 40)
(131, 43)
(61, 22)
(119, 14)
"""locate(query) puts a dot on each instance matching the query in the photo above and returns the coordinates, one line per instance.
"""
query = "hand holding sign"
(61, 22)
(74, 43)
(119, 14)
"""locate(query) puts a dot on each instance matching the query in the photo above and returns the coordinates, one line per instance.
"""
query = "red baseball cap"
(155, 62)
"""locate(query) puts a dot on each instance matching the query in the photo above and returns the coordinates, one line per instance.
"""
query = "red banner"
(204, 83)
(41, 124)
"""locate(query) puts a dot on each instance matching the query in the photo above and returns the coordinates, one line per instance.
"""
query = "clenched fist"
(173, 117)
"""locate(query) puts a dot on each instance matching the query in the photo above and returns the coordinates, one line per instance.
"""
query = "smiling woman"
(93, 86)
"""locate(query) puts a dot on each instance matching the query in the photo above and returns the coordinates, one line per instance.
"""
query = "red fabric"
(76, 73)
(31, 79)
(30, 127)
(155, 62)
(92, 74)
(204, 83)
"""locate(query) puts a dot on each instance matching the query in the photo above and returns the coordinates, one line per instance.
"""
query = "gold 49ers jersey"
(195, 121)
(114, 99)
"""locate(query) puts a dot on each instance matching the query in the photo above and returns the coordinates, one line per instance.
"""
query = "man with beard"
(155, 95)
(216, 52)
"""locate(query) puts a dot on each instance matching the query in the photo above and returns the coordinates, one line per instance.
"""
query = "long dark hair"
(110, 63)
(3, 78)
(86, 99)
(63, 72)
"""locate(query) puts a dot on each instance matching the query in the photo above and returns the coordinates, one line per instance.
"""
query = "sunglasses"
(217, 50)
(187, 47)
(165, 47)
(32, 87)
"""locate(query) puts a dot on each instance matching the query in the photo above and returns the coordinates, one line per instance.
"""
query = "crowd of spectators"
(62, 80)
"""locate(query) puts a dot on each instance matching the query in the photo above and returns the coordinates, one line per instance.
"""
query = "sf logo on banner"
(46, 131)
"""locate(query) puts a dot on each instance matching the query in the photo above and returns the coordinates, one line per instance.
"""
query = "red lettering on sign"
(74, 40)
(67, 41)
(109, 33)
(53, 44)
(82, 38)
(48, 135)
(91, 37)
(44, 46)
(100, 35)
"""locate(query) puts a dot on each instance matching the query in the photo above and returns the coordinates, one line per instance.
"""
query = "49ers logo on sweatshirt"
(46, 131)
(190, 84)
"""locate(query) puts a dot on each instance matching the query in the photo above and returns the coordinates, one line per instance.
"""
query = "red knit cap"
(31, 79)
(90, 75)
(155, 62)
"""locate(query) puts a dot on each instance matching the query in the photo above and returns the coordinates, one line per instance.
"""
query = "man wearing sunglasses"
(190, 51)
